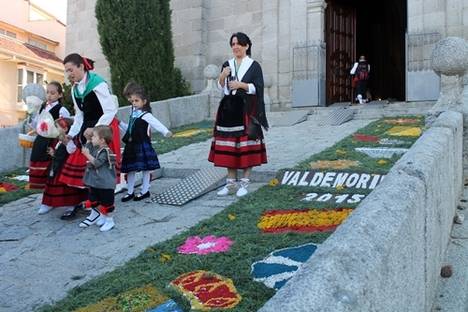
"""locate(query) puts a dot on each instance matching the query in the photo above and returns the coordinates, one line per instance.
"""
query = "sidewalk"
(42, 257)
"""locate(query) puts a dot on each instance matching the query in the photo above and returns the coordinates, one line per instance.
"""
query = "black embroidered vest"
(140, 131)
(54, 111)
(92, 111)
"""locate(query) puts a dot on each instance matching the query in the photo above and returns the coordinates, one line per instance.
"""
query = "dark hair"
(132, 88)
(243, 40)
(104, 132)
(77, 59)
(59, 89)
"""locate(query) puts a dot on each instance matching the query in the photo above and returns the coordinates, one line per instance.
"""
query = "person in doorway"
(360, 75)
(238, 138)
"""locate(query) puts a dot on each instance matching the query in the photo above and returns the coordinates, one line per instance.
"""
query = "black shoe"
(69, 214)
(127, 197)
(141, 196)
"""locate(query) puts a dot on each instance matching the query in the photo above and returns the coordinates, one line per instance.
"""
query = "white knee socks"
(146, 182)
(131, 182)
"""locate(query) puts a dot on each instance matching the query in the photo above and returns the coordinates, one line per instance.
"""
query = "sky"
(58, 8)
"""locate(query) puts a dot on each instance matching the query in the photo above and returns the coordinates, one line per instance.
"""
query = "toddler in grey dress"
(100, 178)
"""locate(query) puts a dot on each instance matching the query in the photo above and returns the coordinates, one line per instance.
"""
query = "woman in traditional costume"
(94, 106)
(238, 138)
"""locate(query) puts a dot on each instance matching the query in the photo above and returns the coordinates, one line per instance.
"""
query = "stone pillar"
(211, 73)
(270, 43)
(316, 36)
(450, 59)
(316, 20)
(267, 82)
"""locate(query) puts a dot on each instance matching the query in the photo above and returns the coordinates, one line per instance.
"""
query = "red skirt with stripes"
(237, 152)
(74, 168)
(57, 194)
(38, 171)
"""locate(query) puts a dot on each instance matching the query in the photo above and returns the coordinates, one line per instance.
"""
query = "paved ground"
(41, 257)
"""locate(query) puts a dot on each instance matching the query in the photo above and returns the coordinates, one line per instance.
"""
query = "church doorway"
(372, 28)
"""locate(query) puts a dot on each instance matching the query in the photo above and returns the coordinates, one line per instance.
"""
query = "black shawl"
(254, 75)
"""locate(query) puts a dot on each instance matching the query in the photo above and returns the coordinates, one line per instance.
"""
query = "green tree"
(136, 39)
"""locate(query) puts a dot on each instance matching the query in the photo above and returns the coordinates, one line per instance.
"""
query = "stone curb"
(386, 256)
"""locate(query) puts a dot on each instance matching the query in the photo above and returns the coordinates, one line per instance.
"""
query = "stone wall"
(82, 36)
(13, 156)
(387, 255)
(176, 112)
(172, 113)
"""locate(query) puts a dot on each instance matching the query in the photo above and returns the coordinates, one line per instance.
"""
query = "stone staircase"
(376, 109)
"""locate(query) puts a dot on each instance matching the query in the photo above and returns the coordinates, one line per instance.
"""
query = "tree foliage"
(136, 39)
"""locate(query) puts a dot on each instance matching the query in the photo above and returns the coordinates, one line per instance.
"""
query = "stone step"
(376, 109)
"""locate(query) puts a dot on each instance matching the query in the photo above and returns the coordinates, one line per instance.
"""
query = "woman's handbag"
(254, 129)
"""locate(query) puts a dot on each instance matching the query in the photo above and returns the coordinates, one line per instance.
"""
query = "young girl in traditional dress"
(57, 194)
(100, 177)
(40, 159)
(139, 154)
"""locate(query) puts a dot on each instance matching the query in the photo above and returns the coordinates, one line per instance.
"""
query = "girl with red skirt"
(57, 194)
(40, 160)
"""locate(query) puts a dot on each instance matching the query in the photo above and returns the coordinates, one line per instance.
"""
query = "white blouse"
(243, 68)
(108, 106)
(152, 121)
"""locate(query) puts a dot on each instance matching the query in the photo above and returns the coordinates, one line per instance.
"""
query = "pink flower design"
(44, 127)
(205, 245)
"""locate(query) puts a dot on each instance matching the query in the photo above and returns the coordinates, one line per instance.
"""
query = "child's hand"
(88, 134)
(168, 134)
(51, 151)
(85, 151)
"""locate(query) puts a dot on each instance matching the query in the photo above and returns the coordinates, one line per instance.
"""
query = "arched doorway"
(374, 28)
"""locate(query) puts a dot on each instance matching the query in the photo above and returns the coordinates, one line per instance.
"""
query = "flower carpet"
(237, 259)
(185, 135)
(14, 185)
(281, 265)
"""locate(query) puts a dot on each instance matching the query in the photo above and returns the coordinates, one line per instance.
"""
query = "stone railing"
(172, 113)
(388, 254)
(176, 112)
(12, 154)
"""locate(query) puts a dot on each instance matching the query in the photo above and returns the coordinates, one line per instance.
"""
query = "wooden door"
(340, 36)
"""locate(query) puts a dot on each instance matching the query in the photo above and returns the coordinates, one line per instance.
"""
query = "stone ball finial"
(211, 71)
(267, 81)
(450, 56)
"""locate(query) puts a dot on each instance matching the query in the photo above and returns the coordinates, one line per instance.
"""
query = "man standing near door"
(360, 76)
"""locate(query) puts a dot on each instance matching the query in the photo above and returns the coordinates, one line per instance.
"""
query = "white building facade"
(306, 47)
